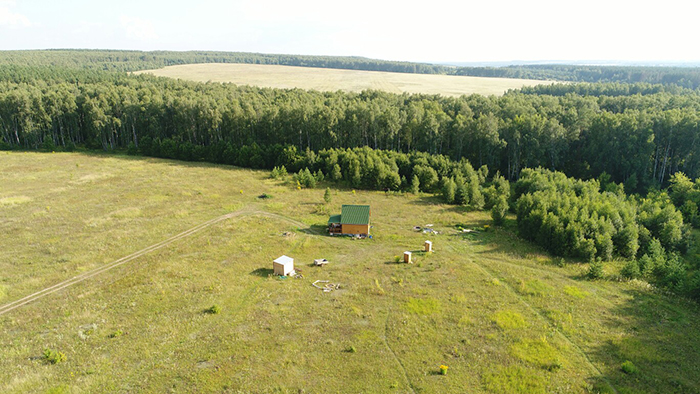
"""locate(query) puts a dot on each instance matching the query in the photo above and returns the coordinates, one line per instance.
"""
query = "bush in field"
(53, 356)
(595, 270)
(213, 310)
(278, 172)
(629, 368)
(630, 270)
(305, 178)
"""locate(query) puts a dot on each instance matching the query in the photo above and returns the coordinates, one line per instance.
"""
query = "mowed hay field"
(325, 79)
(502, 316)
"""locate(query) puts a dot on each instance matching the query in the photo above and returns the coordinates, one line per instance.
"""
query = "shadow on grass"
(121, 154)
(662, 340)
(318, 229)
(263, 272)
(425, 199)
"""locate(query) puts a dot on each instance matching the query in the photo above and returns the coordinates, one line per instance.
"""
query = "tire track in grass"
(539, 314)
(393, 353)
(126, 259)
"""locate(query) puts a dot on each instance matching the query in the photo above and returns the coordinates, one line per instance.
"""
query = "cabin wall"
(355, 228)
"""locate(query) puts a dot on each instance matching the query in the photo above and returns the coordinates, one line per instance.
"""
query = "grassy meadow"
(324, 79)
(500, 314)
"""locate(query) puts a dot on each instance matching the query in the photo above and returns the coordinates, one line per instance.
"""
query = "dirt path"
(393, 353)
(104, 268)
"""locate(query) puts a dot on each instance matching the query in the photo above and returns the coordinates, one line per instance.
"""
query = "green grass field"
(500, 314)
(325, 79)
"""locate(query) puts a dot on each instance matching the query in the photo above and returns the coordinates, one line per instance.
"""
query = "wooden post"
(407, 257)
(428, 246)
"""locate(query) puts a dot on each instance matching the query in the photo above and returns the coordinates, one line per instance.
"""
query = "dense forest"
(124, 61)
(111, 60)
(639, 140)
(687, 77)
(583, 166)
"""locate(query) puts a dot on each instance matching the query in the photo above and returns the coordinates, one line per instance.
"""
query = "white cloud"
(138, 29)
(11, 19)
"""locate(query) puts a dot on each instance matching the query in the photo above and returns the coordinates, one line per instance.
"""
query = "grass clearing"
(515, 379)
(508, 319)
(537, 352)
(484, 305)
(325, 79)
(10, 201)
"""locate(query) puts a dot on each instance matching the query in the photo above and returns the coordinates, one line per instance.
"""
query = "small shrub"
(631, 270)
(320, 177)
(214, 310)
(53, 356)
(278, 173)
(595, 271)
(443, 369)
(327, 195)
(351, 349)
(116, 334)
(629, 368)
(559, 262)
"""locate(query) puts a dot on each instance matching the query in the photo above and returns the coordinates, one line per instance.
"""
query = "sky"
(420, 31)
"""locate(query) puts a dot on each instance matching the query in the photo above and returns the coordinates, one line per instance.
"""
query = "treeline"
(638, 140)
(686, 77)
(570, 217)
(363, 168)
(605, 89)
(124, 61)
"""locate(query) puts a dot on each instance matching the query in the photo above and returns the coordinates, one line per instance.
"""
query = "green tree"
(499, 209)
(448, 190)
(415, 185)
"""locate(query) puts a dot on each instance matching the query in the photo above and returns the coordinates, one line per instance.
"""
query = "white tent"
(283, 265)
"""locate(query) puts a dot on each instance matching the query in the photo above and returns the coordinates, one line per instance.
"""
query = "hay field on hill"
(500, 314)
(323, 79)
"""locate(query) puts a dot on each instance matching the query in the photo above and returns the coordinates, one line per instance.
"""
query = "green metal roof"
(334, 219)
(355, 214)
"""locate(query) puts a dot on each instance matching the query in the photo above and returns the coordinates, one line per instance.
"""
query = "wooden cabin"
(353, 220)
